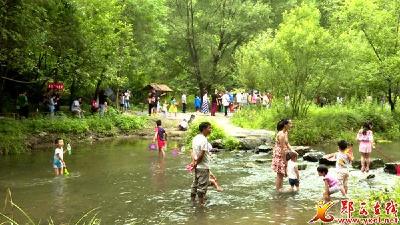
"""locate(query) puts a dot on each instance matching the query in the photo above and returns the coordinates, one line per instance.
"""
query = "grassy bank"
(16, 135)
(324, 124)
(230, 143)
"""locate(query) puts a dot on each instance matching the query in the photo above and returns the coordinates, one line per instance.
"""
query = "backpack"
(161, 134)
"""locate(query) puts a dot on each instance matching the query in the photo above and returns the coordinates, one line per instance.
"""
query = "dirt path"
(172, 121)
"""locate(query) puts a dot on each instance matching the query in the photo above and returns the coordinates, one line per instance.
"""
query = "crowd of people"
(219, 101)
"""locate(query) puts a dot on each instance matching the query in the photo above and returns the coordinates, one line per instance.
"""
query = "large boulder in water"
(219, 144)
(302, 150)
(251, 143)
(313, 156)
(375, 164)
(391, 167)
(302, 166)
(264, 148)
(327, 162)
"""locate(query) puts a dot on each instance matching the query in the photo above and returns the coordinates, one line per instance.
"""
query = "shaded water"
(132, 186)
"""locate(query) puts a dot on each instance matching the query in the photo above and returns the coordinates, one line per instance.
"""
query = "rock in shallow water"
(391, 167)
(263, 160)
(251, 143)
(327, 162)
(264, 148)
(302, 166)
(217, 144)
(313, 156)
(302, 150)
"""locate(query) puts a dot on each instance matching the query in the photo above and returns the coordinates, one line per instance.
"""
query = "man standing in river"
(201, 157)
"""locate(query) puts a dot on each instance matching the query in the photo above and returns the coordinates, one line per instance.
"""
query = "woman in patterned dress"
(281, 148)
(204, 107)
(366, 140)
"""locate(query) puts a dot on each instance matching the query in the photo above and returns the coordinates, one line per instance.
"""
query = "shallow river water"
(130, 185)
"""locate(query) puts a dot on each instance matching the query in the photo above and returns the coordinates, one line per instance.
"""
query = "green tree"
(375, 24)
(205, 34)
(301, 60)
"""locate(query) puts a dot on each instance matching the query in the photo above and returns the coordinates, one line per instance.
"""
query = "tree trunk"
(392, 103)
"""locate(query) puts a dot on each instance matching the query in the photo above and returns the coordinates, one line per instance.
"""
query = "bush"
(14, 133)
(324, 124)
(217, 133)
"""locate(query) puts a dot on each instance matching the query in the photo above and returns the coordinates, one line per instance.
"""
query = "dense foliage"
(303, 49)
(217, 133)
(330, 123)
(15, 135)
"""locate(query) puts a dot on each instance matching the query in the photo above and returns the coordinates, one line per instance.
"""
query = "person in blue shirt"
(197, 103)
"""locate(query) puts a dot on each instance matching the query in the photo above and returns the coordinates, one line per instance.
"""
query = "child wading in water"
(161, 137)
(58, 162)
(343, 157)
(332, 184)
(366, 139)
(293, 172)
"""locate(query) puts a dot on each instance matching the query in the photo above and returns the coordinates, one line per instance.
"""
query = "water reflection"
(58, 194)
(158, 173)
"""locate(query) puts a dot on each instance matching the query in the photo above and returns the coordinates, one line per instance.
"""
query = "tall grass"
(14, 133)
(324, 124)
(89, 218)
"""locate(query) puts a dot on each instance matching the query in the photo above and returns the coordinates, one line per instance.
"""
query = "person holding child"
(281, 148)
(201, 157)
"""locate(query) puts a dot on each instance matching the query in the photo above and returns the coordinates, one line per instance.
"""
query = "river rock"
(250, 143)
(263, 160)
(218, 144)
(327, 162)
(302, 150)
(249, 165)
(42, 134)
(313, 156)
(375, 164)
(264, 148)
(302, 166)
(391, 167)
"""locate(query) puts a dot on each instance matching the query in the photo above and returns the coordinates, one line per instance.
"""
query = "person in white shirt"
(76, 107)
(183, 126)
(201, 157)
(184, 103)
(239, 97)
(293, 172)
(58, 162)
(225, 102)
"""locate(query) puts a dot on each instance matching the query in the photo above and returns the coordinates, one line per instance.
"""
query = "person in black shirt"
(214, 103)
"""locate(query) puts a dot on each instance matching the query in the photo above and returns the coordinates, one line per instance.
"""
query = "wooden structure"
(159, 88)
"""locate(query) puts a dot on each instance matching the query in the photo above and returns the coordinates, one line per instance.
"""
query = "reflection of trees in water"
(58, 195)
(158, 173)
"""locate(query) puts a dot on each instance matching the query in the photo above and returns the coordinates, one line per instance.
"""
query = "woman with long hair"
(365, 139)
(281, 148)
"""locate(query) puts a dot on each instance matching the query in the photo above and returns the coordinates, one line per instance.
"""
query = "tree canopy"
(304, 49)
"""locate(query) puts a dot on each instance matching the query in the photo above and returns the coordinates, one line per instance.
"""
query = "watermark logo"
(368, 213)
(322, 209)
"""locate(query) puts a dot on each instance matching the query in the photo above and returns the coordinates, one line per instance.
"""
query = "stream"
(128, 184)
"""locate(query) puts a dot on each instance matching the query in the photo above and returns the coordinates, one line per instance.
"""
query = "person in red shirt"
(161, 137)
